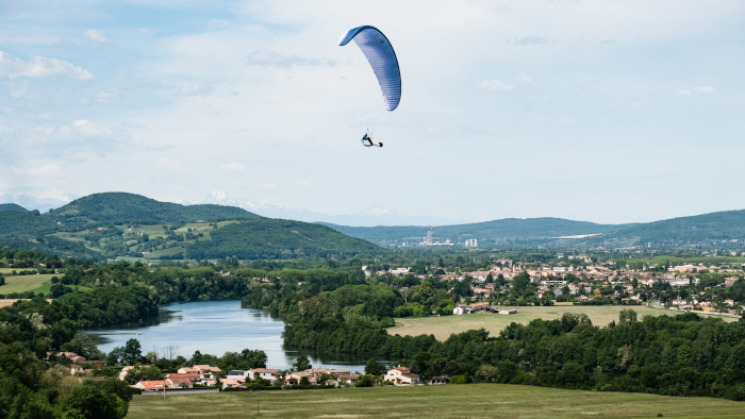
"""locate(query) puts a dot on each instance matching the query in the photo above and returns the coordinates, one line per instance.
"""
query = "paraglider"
(368, 141)
(379, 53)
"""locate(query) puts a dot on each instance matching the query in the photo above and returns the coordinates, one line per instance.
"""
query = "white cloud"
(88, 128)
(698, 90)
(274, 59)
(44, 170)
(17, 90)
(95, 35)
(495, 86)
(185, 89)
(524, 79)
(233, 166)
(107, 95)
(219, 195)
(530, 40)
(40, 67)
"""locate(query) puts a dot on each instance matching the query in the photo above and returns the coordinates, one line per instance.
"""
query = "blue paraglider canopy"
(379, 53)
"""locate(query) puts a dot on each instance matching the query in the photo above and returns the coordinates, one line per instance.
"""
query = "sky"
(602, 111)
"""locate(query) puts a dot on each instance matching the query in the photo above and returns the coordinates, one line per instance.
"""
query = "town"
(580, 280)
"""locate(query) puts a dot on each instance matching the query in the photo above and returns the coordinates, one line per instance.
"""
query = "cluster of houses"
(584, 282)
(208, 376)
(184, 378)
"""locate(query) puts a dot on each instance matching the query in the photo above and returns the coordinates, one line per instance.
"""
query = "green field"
(443, 326)
(23, 283)
(448, 401)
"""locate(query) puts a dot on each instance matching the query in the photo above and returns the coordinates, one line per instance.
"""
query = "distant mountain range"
(116, 225)
(716, 230)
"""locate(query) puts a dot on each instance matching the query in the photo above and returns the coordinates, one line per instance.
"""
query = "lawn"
(23, 283)
(448, 401)
(443, 326)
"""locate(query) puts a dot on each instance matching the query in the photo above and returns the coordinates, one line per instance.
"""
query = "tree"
(170, 351)
(197, 357)
(500, 280)
(116, 356)
(132, 351)
(627, 316)
(487, 373)
(82, 344)
(374, 368)
(548, 298)
(89, 401)
(301, 363)
(364, 381)
(521, 281)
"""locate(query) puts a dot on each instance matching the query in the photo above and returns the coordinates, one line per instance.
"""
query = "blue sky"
(604, 111)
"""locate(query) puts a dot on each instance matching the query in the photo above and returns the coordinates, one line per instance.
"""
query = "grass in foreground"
(449, 401)
(442, 327)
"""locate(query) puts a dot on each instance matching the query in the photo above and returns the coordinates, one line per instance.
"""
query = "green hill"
(120, 207)
(113, 225)
(25, 222)
(718, 229)
(12, 207)
(265, 238)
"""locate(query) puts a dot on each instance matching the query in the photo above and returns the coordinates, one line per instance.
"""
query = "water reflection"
(215, 327)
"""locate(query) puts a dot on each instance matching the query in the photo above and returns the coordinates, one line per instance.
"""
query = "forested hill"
(266, 238)
(12, 207)
(125, 207)
(504, 232)
(715, 230)
(115, 225)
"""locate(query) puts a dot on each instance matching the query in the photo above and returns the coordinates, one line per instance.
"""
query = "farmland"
(473, 401)
(23, 283)
(443, 326)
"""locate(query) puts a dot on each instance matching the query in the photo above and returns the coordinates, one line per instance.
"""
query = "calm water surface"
(216, 327)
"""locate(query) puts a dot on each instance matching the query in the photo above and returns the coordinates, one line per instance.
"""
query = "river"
(216, 327)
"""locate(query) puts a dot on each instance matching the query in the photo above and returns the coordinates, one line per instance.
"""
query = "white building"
(263, 373)
(402, 376)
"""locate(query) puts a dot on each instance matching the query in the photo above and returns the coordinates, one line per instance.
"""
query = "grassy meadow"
(443, 326)
(448, 401)
(23, 283)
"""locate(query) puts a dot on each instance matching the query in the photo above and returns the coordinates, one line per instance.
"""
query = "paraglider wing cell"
(379, 53)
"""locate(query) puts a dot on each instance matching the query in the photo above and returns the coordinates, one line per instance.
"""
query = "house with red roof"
(183, 380)
(153, 385)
